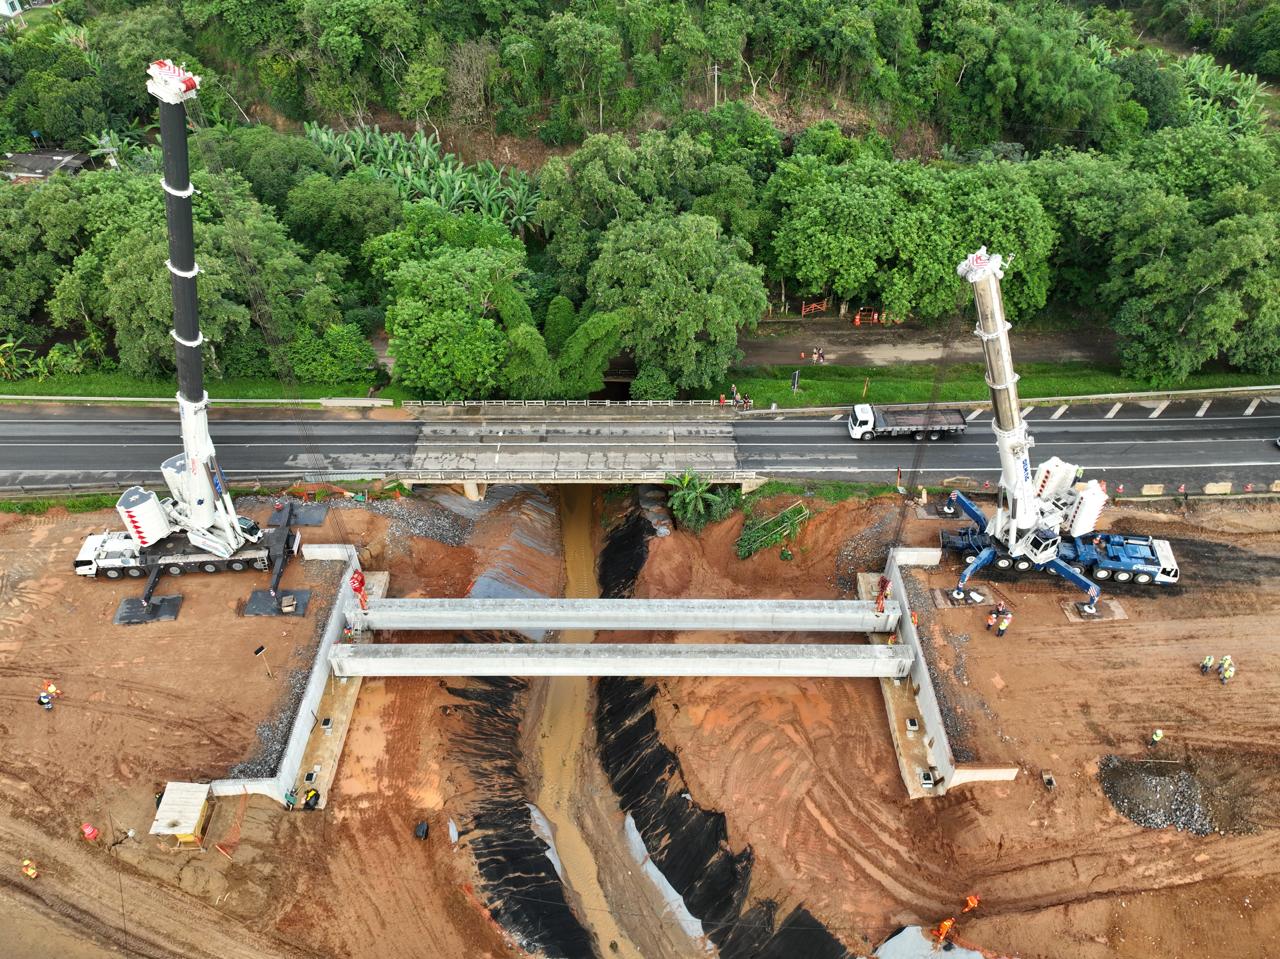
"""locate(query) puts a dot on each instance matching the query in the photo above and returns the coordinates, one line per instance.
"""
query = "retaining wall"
(286, 776)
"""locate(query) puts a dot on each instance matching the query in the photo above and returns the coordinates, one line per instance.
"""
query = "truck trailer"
(866, 422)
(115, 555)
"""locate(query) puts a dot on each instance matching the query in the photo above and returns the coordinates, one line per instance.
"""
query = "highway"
(1175, 443)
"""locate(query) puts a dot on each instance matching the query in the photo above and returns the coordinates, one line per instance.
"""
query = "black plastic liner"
(520, 885)
(623, 556)
(688, 844)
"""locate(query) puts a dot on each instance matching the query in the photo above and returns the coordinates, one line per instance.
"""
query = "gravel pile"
(409, 516)
(865, 551)
(1156, 794)
(273, 735)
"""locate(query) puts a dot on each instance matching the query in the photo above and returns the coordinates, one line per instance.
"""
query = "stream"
(564, 724)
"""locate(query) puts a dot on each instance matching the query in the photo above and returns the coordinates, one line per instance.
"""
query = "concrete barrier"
(1217, 489)
(286, 776)
(934, 729)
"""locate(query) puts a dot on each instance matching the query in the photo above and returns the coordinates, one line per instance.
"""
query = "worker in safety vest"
(311, 799)
(29, 869)
(45, 700)
(971, 903)
(991, 620)
(1003, 625)
(1155, 739)
(1206, 664)
(1228, 673)
(1224, 665)
(943, 930)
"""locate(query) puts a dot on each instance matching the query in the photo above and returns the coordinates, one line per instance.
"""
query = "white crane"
(1031, 510)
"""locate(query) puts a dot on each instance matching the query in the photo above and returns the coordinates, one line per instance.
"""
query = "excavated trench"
(587, 839)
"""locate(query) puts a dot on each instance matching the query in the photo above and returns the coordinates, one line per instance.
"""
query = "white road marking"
(1027, 412)
(1059, 411)
(1204, 408)
(1158, 410)
(838, 416)
(1113, 411)
(974, 415)
(1253, 405)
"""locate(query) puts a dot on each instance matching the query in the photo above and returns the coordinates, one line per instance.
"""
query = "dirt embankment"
(805, 771)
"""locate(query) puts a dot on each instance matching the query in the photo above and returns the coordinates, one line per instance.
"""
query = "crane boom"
(200, 504)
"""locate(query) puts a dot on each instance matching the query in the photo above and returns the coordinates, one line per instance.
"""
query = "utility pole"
(715, 84)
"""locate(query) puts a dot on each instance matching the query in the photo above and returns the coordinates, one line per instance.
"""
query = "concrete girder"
(726, 615)
(619, 659)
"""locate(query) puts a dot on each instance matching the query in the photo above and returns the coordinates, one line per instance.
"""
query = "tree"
(560, 323)
(689, 289)
(340, 215)
(272, 162)
(586, 355)
(588, 56)
(340, 353)
(528, 373)
(651, 383)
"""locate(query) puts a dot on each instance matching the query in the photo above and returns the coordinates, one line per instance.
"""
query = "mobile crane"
(1032, 511)
(199, 506)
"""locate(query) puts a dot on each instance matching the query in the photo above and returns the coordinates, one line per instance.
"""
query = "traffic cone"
(1248, 487)
(986, 484)
(89, 832)
(1182, 487)
(1119, 489)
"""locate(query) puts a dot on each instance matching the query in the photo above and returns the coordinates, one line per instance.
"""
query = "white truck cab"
(861, 421)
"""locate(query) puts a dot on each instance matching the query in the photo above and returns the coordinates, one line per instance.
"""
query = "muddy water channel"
(606, 888)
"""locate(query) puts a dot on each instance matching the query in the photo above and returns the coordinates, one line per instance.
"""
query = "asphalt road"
(1185, 443)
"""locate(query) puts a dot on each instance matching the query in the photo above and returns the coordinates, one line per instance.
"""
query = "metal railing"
(620, 404)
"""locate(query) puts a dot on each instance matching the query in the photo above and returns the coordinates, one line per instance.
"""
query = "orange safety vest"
(991, 619)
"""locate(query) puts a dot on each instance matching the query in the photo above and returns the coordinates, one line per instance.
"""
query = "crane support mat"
(133, 612)
(299, 514)
(261, 602)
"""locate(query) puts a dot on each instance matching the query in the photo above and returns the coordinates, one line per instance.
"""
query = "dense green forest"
(1129, 186)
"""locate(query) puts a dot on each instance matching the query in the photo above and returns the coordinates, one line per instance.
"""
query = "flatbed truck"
(866, 422)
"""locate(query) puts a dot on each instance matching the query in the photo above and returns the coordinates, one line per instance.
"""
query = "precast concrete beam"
(619, 659)
(724, 615)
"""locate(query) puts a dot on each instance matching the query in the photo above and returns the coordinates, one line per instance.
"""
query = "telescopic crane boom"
(1031, 510)
(200, 505)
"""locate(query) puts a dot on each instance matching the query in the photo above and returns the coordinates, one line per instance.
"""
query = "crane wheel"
(174, 570)
(969, 558)
(1102, 573)
(112, 573)
(1123, 576)
(137, 572)
(210, 567)
(1022, 565)
(237, 565)
(1004, 562)
(1143, 579)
